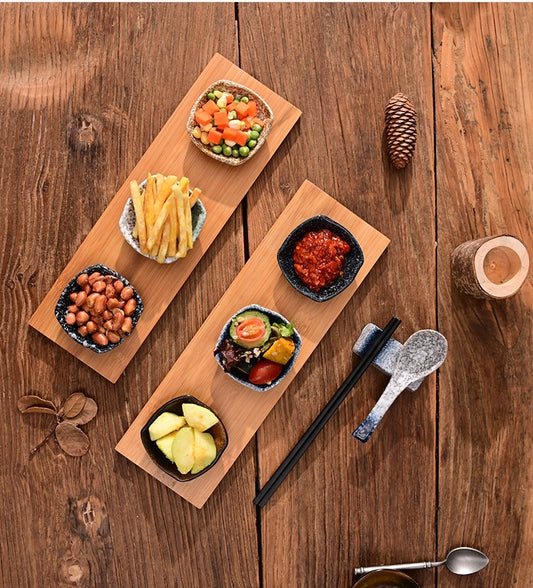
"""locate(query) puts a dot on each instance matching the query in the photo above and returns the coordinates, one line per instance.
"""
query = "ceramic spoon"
(420, 355)
(461, 561)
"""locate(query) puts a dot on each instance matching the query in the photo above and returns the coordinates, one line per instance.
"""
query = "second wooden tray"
(172, 152)
(196, 371)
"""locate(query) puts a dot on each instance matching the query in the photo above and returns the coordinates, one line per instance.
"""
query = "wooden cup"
(492, 267)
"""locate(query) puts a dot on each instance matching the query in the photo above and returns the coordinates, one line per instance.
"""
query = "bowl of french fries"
(163, 217)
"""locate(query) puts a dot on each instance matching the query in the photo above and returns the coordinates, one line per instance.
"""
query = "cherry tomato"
(264, 372)
(251, 330)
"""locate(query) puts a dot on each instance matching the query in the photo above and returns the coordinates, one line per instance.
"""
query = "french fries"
(163, 217)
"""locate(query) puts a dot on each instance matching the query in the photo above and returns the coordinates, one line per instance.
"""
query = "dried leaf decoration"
(77, 409)
(71, 439)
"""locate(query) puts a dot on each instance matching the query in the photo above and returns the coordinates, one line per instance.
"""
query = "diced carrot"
(241, 138)
(252, 108)
(258, 121)
(248, 122)
(242, 110)
(211, 107)
(229, 134)
(202, 117)
(229, 98)
(231, 106)
(214, 136)
(221, 119)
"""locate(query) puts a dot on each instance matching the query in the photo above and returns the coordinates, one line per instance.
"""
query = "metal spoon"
(461, 561)
(420, 355)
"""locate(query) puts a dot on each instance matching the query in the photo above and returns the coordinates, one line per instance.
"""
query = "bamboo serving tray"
(196, 371)
(223, 186)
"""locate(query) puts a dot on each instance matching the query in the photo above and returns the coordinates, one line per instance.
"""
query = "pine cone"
(400, 129)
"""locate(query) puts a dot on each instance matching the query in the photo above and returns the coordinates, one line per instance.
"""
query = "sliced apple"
(164, 424)
(183, 449)
(165, 444)
(205, 451)
(199, 417)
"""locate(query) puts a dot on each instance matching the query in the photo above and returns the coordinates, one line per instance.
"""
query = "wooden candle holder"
(492, 267)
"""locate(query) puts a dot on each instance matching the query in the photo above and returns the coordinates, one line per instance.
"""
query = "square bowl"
(127, 222)
(274, 318)
(354, 259)
(218, 431)
(264, 113)
(64, 302)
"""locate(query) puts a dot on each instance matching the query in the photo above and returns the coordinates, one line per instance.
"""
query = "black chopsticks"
(327, 412)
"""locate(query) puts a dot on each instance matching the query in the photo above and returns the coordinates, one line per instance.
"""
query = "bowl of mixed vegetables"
(229, 122)
(257, 347)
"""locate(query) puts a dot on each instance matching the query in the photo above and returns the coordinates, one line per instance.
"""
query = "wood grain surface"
(85, 89)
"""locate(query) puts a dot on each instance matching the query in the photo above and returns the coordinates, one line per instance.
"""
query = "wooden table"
(85, 88)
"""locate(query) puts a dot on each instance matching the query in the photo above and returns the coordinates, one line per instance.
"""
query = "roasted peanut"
(83, 331)
(83, 280)
(115, 303)
(70, 318)
(81, 317)
(100, 304)
(99, 286)
(73, 296)
(91, 299)
(110, 290)
(113, 337)
(127, 325)
(93, 277)
(91, 327)
(118, 284)
(81, 298)
(130, 306)
(100, 339)
(126, 293)
(72, 308)
(106, 315)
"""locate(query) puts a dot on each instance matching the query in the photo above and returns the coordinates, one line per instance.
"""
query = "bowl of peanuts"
(99, 308)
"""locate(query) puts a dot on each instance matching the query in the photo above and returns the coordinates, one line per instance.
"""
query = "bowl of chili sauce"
(320, 258)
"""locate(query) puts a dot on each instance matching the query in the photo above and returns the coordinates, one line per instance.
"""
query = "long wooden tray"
(261, 282)
(172, 152)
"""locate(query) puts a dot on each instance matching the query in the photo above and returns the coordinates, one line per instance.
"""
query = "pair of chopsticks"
(327, 412)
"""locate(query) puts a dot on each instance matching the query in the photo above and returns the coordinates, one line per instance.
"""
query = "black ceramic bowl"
(218, 432)
(274, 318)
(64, 302)
(354, 258)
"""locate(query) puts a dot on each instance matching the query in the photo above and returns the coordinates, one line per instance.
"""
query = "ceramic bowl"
(386, 579)
(354, 258)
(64, 302)
(264, 112)
(218, 432)
(274, 318)
(127, 222)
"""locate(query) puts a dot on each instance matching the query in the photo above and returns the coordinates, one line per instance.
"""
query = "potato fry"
(182, 238)
(149, 197)
(159, 224)
(174, 227)
(138, 206)
(165, 237)
(159, 182)
(188, 220)
(193, 198)
(164, 193)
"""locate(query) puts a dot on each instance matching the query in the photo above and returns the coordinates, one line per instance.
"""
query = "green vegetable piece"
(235, 152)
(245, 99)
(244, 151)
(211, 96)
(226, 150)
(216, 149)
(252, 143)
(253, 135)
(256, 127)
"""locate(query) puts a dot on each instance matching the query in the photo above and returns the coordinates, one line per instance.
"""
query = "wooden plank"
(483, 81)
(223, 188)
(260, 282)
(345, 503)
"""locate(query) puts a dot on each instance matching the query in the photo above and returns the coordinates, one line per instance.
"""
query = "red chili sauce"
(319, 258)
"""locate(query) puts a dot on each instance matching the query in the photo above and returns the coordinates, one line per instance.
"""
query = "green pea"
(257, 128)
(211, 96)
(253, 135)
(252, 143)
(227, 150)
(235, 152)
(245, 99)
(216, 149)
(244, 151)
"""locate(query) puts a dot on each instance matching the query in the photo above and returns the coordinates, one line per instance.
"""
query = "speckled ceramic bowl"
(354, 259)
(274, 318)
(264, 112)
(218, 432)
(64, 302)
(127, 222)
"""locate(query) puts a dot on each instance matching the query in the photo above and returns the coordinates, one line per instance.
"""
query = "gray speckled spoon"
(420, 355)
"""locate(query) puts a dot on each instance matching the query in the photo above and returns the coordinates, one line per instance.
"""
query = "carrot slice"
(229, 134)
(242, 110)
(241, 138)
(252, 108)
(214, 136)
(211, 107)
(221, 119)
(202, 117)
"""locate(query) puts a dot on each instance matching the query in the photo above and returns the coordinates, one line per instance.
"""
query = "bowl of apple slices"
(185, 438)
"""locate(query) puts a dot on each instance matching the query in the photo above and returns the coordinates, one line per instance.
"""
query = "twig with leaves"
(77, 409)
